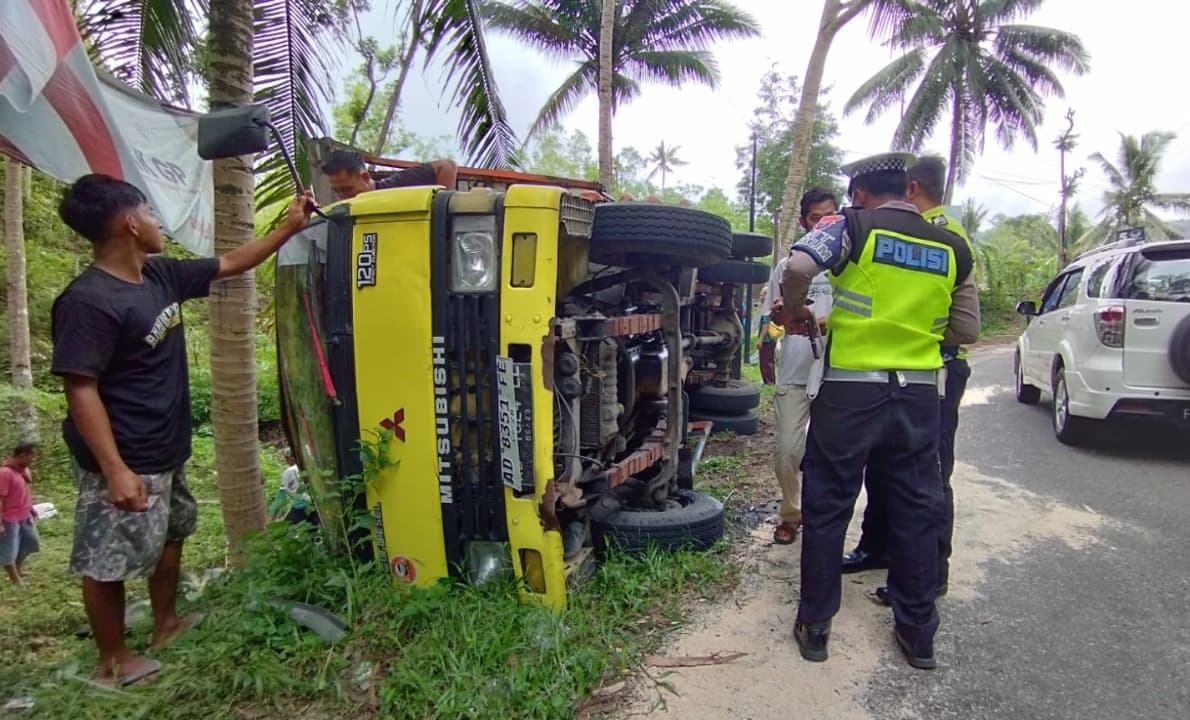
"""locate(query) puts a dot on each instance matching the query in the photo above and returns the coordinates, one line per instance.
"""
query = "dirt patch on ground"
(997, 521)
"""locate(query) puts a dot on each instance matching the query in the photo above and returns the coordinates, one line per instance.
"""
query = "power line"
(1043, 203)
(1019, 181)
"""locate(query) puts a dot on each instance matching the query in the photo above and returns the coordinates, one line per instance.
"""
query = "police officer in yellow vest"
(927, 181)
(897, 279)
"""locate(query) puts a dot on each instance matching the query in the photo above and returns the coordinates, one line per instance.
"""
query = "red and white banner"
(59, 116)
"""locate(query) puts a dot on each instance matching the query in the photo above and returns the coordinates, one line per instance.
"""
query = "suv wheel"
(1070, 429)
(1025, 393)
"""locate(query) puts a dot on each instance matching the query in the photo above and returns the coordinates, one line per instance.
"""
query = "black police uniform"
(891, 426)
(873, 541)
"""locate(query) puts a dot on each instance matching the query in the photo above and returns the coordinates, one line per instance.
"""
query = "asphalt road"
(1057, 630)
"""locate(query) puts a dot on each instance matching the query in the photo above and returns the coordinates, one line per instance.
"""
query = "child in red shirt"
(18, 534)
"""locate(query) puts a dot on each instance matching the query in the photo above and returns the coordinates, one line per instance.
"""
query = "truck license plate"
(515, 423)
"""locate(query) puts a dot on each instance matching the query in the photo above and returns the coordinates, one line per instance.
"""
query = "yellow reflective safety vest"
(892, 297)
(939, 217)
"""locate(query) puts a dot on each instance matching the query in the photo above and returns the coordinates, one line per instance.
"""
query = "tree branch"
(845, 13)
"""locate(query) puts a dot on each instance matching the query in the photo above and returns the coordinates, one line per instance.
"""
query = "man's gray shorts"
(112, 545)
(19, 541)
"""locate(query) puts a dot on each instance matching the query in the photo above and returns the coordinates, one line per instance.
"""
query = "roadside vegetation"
(447, 652)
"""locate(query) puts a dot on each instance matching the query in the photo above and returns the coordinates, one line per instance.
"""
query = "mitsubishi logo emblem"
(394, 425)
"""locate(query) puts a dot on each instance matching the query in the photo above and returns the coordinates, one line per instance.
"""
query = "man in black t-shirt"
(120, 349)
(349, 177)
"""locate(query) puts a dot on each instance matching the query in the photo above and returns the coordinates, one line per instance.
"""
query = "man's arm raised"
(249, 255)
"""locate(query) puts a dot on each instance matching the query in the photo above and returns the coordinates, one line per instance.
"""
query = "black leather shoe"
(859, 560)
(917, 658)
(883, 598)
(811, 639)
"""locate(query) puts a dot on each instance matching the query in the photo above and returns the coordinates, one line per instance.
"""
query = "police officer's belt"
(901, 377)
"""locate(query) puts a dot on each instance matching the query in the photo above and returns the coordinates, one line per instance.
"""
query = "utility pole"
(1065, 143)
(751, 228)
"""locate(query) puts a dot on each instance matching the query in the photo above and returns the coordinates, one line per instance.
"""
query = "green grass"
(452, 651)
(37, 624)
(751, 373)
(447, 652)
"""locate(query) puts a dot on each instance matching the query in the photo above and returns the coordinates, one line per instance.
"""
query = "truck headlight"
(475, 262)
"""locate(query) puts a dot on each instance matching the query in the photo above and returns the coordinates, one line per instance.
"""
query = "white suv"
(1111, 339)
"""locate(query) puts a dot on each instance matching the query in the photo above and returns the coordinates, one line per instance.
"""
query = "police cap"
(895, 161)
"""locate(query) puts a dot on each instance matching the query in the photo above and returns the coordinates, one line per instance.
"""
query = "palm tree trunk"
(834, 16)
(607, 28)
(233, 301)
(406, 60)
(956, 146)
(370, 62)
(24, 415)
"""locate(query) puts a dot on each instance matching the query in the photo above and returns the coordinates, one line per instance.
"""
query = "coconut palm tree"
(835, 15)
(665, 41)
(1132, 195)
(24, 416)
(665, 160)
(607, 35)
(147, 44)
(970, 61)
(230, 80)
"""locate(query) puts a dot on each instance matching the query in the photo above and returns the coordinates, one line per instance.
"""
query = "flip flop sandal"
(785, 533)
(151, 668)
(194, 619)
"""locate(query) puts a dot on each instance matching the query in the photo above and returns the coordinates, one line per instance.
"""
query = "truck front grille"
(471, 344)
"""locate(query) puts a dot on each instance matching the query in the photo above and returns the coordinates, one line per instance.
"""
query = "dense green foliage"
(772, 126)
(1016, 257)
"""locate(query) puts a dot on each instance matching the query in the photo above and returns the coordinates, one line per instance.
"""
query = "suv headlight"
(475, 262)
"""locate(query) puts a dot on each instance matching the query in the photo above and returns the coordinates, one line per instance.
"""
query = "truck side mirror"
(1028, 308)
(233, 132)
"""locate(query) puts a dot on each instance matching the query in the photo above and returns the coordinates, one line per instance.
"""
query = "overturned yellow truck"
(527, 349)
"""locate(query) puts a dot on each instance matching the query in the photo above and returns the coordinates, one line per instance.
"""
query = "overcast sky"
(1135, 85)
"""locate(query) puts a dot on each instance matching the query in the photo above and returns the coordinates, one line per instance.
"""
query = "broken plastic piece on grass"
(45, 511)
(17, 705)
(321, 622)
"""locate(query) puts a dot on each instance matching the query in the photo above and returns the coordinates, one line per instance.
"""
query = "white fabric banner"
(59, 116)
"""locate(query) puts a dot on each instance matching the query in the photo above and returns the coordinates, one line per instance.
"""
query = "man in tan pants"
(794, 358)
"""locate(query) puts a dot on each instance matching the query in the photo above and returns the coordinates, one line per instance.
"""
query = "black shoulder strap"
(857, 230)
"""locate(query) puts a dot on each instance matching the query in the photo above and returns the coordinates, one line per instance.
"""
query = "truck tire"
(746, 423)
(735, 272)
(750, 245)
(631, 234)
(1179, 350)
(734, 397)
(691, 521)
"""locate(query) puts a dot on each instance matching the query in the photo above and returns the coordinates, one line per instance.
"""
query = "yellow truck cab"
(520, 352)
